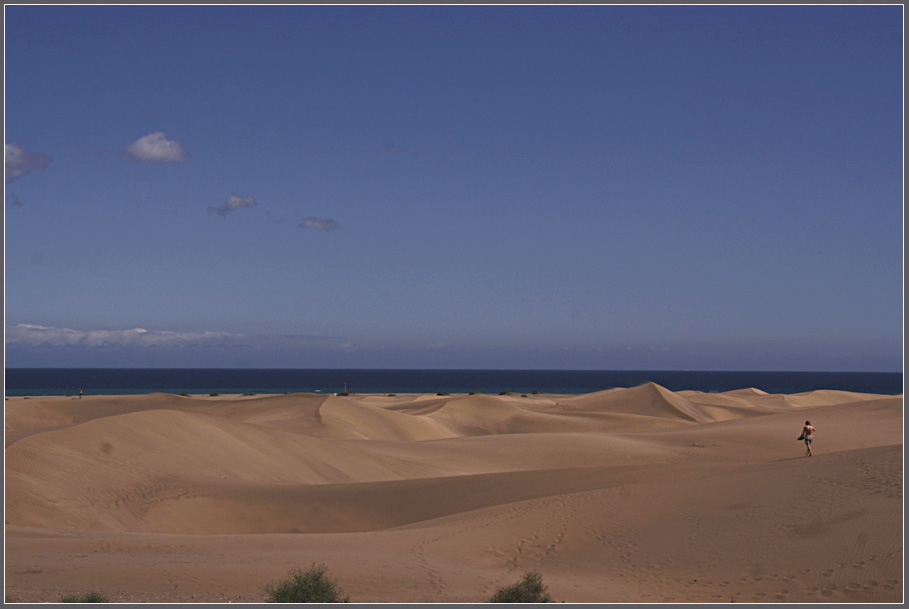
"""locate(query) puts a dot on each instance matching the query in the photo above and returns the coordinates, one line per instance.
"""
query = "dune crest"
(649, 399)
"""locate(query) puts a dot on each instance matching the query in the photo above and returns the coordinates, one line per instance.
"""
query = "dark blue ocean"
(112, 381)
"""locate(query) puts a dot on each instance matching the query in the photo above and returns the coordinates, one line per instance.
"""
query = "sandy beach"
(628, 495)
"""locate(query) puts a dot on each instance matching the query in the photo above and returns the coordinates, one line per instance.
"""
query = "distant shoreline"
(129, 381)
(413, 394)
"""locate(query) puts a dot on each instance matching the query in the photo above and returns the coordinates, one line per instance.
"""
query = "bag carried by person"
(801, 437)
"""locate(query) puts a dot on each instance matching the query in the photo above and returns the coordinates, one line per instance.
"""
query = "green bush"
(90, 597)
(503, 393)
(529, 590)
(310, 586)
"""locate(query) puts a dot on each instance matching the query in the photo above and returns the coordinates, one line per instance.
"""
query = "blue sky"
(588, 187)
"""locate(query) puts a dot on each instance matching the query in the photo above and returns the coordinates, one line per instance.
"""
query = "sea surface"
(114, 381)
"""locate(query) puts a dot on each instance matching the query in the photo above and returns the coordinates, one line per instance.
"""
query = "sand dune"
(646, 400)
(624, 495)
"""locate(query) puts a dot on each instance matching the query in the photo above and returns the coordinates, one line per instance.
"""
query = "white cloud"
(156, 148)
(319, 223)
(233, 203)
(30, 335)
(20, 163)
(37, 336)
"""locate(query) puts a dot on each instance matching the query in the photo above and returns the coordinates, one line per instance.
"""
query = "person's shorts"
(808, 440)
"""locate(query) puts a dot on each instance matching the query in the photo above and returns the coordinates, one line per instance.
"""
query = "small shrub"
(503, 393)
(529, 590)
(90, 597)
(310, 586)
(214, 395)
(441, 393)
(535, 392)
(344, 393)
(472, 393)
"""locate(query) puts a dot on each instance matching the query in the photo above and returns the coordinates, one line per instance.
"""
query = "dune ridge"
(634, 494)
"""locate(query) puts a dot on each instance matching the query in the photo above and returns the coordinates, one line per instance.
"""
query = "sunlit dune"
(625, 495)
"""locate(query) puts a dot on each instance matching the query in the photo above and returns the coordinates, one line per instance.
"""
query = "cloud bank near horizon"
(33, 345)
(30, 335)
(34, 336)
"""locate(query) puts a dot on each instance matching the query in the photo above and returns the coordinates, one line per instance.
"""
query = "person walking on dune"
(807, 433)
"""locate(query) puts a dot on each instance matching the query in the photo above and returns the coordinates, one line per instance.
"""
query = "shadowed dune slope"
(350, 418)
(122, 472)
(79, 475)
(489, 415)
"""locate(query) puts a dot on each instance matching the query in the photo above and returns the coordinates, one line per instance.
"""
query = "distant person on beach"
(807, 432)
(80, 393)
